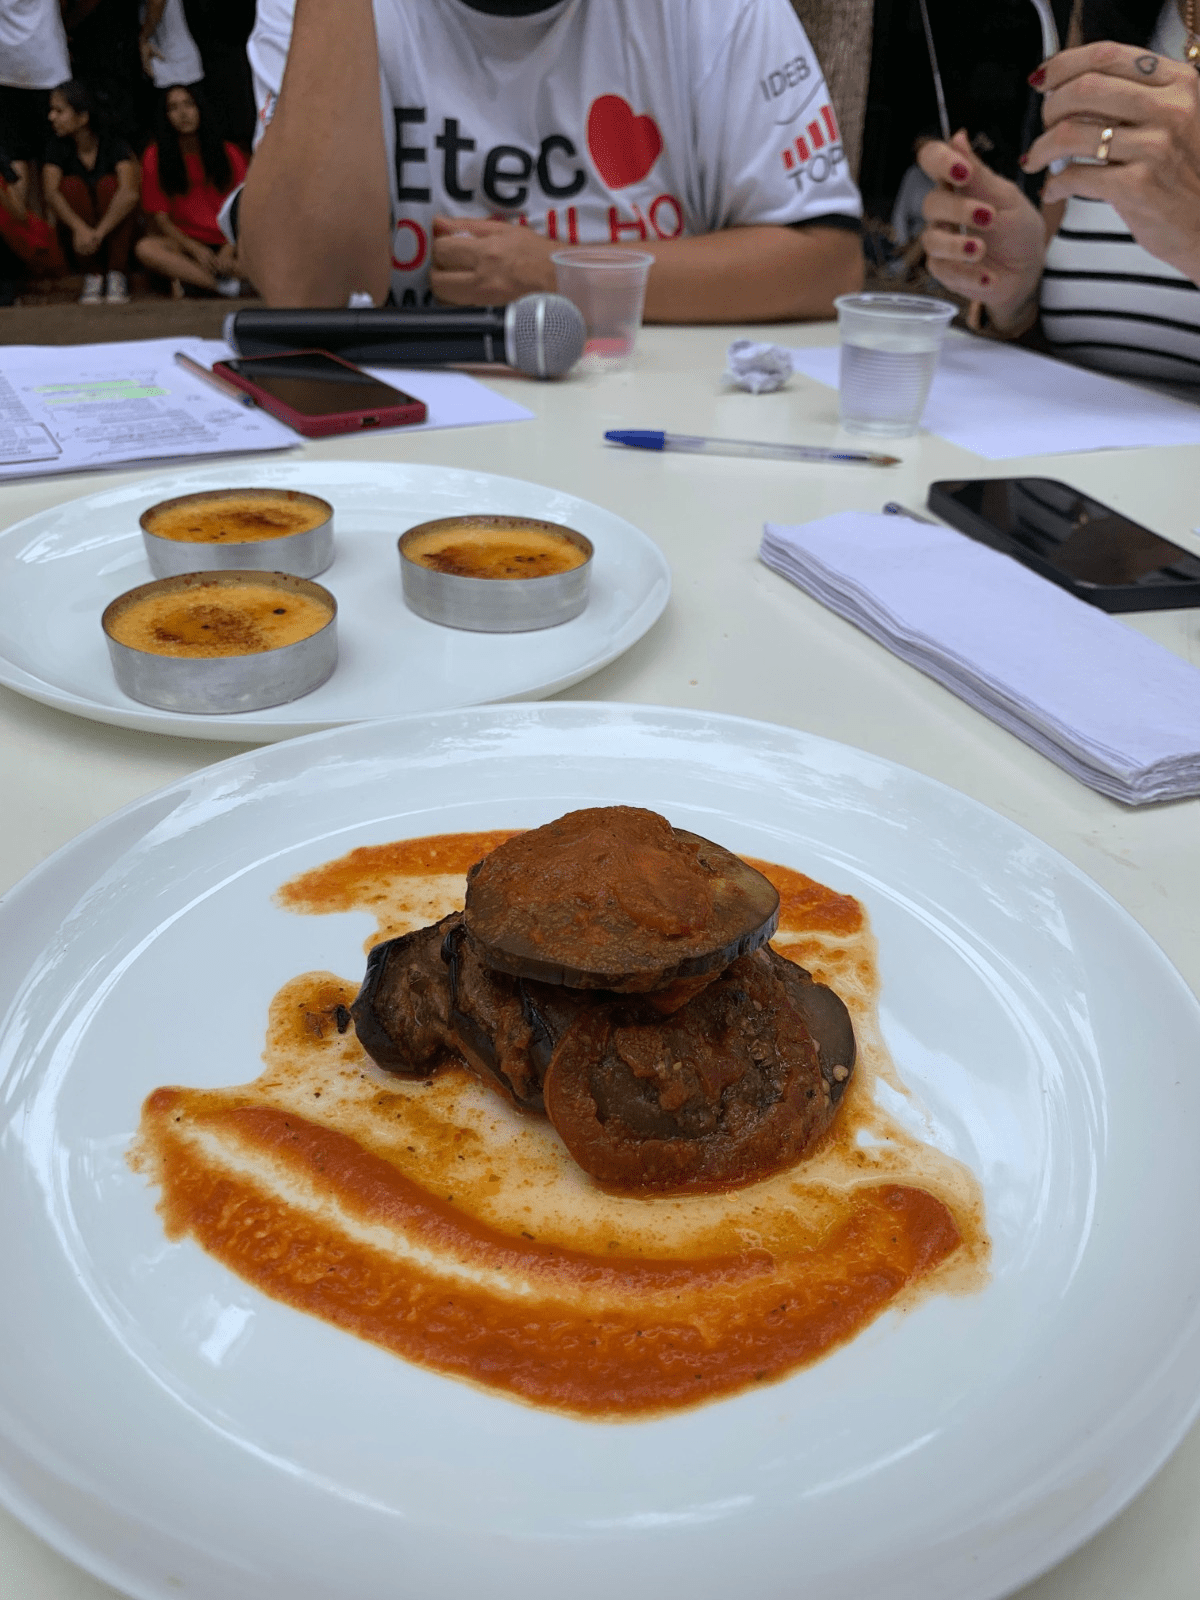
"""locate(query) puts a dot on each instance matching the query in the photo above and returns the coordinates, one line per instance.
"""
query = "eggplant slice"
(427, 999)
(505, 1034)
(615, 898)
(725, 1091)
(402, 1012)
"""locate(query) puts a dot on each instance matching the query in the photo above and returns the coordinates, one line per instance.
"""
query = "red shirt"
(193, 213)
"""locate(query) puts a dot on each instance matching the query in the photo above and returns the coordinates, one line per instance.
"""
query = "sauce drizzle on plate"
(434, 1220)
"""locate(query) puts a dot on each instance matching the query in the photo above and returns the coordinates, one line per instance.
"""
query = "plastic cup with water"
(608, 284)
(890, 345)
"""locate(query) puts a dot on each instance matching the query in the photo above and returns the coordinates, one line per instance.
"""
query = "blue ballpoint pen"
(695, 444)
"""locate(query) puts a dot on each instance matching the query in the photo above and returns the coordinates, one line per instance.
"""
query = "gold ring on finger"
(1106, 139)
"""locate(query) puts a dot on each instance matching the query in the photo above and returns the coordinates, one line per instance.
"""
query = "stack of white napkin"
(1113, 708)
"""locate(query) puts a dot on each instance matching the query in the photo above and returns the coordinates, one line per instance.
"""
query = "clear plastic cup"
(608, 285)
(890, 348)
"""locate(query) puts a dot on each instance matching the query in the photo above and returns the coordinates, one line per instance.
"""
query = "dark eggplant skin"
(828, 1021)
(402, 1012)
(489, 1024)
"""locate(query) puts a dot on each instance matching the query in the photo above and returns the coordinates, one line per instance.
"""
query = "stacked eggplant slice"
(613, 973)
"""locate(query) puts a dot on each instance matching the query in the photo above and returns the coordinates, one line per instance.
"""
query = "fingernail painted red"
(981, 216)
(1023, 161)
(970, 248)
(960, 172)
(984, 278)
(1038, 78)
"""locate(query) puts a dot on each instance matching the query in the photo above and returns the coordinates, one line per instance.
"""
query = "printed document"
(73, 408)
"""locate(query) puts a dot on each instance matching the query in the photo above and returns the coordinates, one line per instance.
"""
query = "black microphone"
(542, 335)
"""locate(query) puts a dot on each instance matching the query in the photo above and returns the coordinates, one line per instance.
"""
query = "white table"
(735, 638)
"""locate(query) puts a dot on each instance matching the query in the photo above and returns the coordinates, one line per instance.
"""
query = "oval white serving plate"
(60, 568)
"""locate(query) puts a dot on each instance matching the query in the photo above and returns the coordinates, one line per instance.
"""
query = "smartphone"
(1097, 553)
(318, 394)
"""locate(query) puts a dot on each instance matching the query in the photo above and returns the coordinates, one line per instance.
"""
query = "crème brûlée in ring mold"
(275, 530)
(213, 642)
(495, 574)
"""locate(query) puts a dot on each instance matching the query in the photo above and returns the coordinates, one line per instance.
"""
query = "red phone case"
(409, 411)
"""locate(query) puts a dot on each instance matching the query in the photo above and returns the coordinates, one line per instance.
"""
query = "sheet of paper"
(1000, 401)
(452, 399)
(68, 408)
(65, 408)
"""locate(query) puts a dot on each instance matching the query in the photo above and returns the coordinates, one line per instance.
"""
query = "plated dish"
(178, 1427)
(61, 568)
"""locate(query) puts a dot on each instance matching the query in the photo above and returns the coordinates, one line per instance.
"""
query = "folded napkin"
(758, 367)
(1113, 708)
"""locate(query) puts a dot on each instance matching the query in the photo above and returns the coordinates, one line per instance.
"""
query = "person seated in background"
(28, 246)
(1111, 262)
(90, 179)
(186, 173)
(700, 131)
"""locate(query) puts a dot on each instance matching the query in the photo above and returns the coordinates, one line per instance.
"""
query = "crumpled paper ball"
(760, 368)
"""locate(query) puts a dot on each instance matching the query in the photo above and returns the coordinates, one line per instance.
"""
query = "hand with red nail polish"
(1002, 268)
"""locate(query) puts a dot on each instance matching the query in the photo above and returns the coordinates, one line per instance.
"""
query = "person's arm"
(315, 213)
(55, 203)
(758, 273)
(202, 253)
(124, 201)
(151, 18)
(12, 195)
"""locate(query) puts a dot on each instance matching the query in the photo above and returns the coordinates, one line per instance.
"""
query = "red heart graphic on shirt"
(623, 145)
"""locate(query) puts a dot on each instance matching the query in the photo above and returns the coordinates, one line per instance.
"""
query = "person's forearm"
(151, 18)
(755, 274)
(11, 201)
(170, 232)
(122, 203)
(59, 208)
(314, 218)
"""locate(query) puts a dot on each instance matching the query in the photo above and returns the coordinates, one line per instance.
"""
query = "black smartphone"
(320, 394)
(1097, 553)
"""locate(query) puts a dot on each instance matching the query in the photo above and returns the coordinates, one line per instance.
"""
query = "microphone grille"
(544, 335)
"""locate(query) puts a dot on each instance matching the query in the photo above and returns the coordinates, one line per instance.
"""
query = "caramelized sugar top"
(218, 619)
(237, 519)
(510, 550)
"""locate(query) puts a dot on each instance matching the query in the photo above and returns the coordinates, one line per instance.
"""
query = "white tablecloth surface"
(735, 638)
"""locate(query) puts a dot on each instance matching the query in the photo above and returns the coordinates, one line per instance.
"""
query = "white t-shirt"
(594, 121)
(33, 45)
(177, 59)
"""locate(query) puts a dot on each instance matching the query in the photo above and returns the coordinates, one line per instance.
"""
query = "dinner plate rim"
(258, 727)
(1070, 1536)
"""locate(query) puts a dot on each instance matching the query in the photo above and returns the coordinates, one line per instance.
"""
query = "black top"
(111, 149)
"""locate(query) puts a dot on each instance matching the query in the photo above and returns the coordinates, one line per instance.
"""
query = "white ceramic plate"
(176, 1432)
(60, 568)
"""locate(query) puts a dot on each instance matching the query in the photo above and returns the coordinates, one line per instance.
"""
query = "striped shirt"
(1108, 303)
